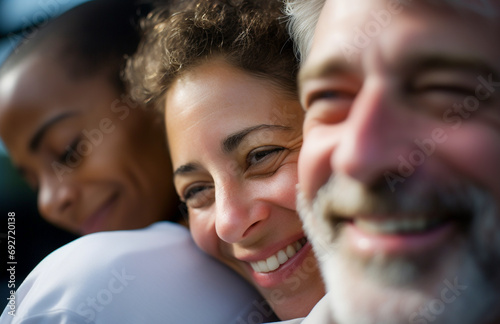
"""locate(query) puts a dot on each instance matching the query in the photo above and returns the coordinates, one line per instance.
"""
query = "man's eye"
(446, 89)
(328, 97)
(260, 154)
(324, 95)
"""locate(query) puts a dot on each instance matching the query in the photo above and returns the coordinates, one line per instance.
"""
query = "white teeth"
(395, 226)
(273, 262)
(255, 267)
(262, 266)
(282, 257)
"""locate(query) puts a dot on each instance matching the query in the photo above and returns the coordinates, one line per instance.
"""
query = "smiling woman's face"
(96, 163)
(234, 142)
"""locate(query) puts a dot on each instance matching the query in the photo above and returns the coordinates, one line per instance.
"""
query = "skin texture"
(423, 81)
(241, 199)
(101, 166)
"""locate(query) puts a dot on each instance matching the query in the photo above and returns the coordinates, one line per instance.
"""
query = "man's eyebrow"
(231, 142)
(37, 137)
(323, 69)
(421, 63)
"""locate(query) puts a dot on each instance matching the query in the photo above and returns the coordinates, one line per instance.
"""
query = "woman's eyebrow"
(37, 137)
(185, 168)
(231, 142)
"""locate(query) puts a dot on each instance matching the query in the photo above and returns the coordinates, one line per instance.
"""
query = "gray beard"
(388, 290)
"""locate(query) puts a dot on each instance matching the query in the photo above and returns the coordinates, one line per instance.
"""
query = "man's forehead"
(351, 9)
(484, 7)
(342, 37)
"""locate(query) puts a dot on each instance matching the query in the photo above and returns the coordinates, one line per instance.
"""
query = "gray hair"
(303, 16)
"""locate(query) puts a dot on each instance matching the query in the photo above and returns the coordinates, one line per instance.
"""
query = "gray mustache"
(344, 197)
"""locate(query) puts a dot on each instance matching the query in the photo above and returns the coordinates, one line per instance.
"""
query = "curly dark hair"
(248, 34)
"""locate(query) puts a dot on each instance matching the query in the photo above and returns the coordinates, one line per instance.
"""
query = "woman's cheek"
(202, 229)
(290, 180)
(281, 186)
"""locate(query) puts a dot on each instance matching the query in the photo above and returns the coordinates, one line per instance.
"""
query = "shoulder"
(90, 256)
(147, 275)
(117, 243)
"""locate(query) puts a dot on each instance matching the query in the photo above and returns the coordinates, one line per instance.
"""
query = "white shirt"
(320, 314)
(151, 275)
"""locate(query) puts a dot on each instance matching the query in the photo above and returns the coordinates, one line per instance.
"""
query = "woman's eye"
(257, 156)
(198, 196)
(193, 191)
(70, 149)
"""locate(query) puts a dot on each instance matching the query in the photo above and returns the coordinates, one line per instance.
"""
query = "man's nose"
(376, 132)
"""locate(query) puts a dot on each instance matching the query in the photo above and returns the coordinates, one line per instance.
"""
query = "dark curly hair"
(249, 34)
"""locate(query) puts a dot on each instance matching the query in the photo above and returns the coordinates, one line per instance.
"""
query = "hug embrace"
(288, 170)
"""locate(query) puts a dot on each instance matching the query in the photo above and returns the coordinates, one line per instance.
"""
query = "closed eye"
(69, 150)
(444, 82)
(447, 88)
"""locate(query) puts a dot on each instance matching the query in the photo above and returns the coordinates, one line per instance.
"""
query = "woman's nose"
(55, 197)
(237, 212)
